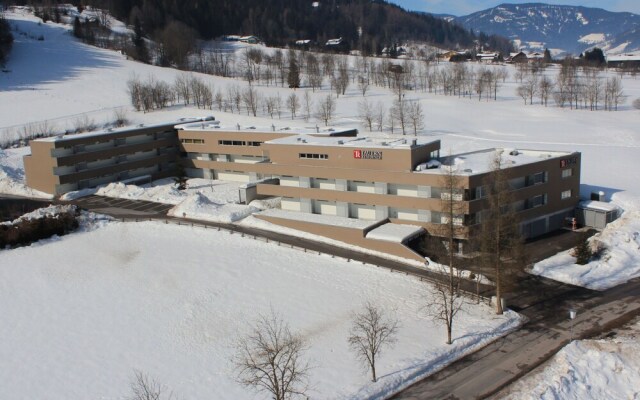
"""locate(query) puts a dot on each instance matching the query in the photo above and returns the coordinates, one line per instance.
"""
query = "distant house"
(624, 61)
(488, 58)
(515, 58)
(250, 39)
(231, 38)
(447, 55)
(535, 57)
(334, 42)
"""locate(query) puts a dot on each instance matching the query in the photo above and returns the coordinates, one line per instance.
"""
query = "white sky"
(464, 7)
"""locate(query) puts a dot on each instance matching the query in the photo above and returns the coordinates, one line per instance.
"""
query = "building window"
(566, 194)
(194, 141)
(232, 142)
(538, 201)
(254, 144)
(536, 179)
(566, 173)
(314, 156)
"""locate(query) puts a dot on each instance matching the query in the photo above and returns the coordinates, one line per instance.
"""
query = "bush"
(582, 252)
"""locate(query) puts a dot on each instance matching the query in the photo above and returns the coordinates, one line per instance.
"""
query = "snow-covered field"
(170, 301)
(586, 369)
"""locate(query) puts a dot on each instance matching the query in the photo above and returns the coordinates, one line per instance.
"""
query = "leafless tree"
(120, 117)
(371, 332)
(415, 116)
(182, 88)
(219, 100)
(308, 105)
(380, 114)
(270, 359)
(447, 299)
(399, 113)
(251, 99)
(545, 89)
(294, 104)
(593, 88)
(366, 114)
(270, 105)
(500, 236)
(363, 84)
(613, 93)
(529, 88)
(145, 388)
(326, 109)
(234, 97)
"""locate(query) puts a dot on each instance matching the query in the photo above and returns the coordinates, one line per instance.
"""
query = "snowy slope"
(571, 28)
(171, 301)
(586, 369)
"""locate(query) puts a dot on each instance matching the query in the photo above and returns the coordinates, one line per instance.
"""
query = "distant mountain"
(562, 29)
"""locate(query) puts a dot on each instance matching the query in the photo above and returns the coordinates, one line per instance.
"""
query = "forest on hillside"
(367, 25)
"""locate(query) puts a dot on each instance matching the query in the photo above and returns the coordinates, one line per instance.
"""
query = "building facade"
(333, 175)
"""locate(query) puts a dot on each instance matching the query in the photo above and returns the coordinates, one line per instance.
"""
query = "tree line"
(6, 40)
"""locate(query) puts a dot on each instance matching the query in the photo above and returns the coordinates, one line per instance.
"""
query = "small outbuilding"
(596, 214)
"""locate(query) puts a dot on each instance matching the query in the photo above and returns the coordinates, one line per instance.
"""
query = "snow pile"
(171, 301)
(12, 175)
(619, 263)
(43, 212)
(586, 369)
(198, 206)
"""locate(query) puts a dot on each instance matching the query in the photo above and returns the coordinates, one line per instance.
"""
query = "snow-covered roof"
(358, 142)
(216, 126)
(116, 130)
(333, 42)
(598, 205)
(396, 233)
(624, 57)
(320, 219)
(479, 162)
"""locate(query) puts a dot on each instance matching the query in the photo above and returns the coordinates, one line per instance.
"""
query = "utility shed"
(596, 214)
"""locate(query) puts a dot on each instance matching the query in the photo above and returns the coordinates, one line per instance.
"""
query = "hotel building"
(371, 192)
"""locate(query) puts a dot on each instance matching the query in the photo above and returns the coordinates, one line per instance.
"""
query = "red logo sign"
(357, 154)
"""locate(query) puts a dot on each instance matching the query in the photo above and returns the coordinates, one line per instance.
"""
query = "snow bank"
(395, 233)
(619, 263)
(43, 212)
(198, 206)
(586, 369)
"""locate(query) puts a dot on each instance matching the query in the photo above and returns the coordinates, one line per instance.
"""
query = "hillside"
(362, 24)
(564, 29)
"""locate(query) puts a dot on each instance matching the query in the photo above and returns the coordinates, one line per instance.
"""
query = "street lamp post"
(572, 316)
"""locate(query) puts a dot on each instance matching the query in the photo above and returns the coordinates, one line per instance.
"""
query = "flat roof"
(111, 131)
(395, 233)
(295, 131)
(357, 142)
(479, 162)
(597, 205)
(320, 219)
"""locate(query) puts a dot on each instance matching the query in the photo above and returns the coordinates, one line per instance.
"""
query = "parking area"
(114, 206)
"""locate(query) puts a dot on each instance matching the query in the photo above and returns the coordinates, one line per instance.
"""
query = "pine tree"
(77, 28)
(181, 177)
(138, 41)
(293, 78)
(582, 252)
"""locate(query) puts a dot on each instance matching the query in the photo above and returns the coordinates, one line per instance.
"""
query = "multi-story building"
(66, 163)
(331, 182)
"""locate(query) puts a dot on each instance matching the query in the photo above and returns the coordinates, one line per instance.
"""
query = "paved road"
(490, 369)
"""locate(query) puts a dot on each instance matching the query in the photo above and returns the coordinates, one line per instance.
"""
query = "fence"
(228, 229)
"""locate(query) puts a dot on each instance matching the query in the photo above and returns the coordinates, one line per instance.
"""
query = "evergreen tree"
(547, 56)
(595, 56)
(138, 41)
(582, 252)
(181, 176)
(77, 28)
(293, 78)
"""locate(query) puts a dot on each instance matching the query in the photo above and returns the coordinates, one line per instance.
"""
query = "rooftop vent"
(468, 170)
(340, 141)
(514, 152)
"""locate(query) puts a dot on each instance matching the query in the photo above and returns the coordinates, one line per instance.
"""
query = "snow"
(592, 38)
(43, 212)
(396, 233)
(172, 300)
(586, 369)
(598, 205)
(619, 263)
(321, 219)
(198, 206)
(169, 300)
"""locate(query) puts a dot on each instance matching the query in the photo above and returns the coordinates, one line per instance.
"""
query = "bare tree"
(294, 104)
(500, 236)
(528, 89)
(380, 115)
(363, 84)
(399, 113)
(251, 99)
(269, 359)
(545, 89)
(447, 299)
(366, 114)
(613, 93)
(182, 88)
(415, 116)
(145, 388)
(371, 332)
(308, 105)
(326, 109)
